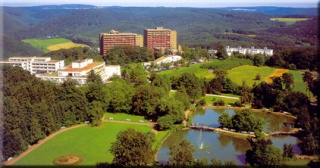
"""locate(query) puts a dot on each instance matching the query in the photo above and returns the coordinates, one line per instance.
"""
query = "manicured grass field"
(47, 45)
(90, 143)
(123, 117)
(289, 20)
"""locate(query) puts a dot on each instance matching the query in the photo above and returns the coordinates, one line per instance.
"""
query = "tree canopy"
(133, 148)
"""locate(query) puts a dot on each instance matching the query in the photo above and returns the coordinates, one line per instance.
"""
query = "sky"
(169, 3)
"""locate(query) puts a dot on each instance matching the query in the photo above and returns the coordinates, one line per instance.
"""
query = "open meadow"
(289, 20)
(53, 44)
(92, 144)
(247, 73)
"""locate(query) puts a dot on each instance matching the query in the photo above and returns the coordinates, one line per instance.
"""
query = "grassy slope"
(195, 68)
(247, 73)
(54, 43)
(91, 144)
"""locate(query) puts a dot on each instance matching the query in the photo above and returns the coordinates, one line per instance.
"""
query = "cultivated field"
(289, 20)
(89, 143)
(47, 45)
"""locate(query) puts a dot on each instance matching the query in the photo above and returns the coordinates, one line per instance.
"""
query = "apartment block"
(160, 38)
(35, 64)
(115, 38)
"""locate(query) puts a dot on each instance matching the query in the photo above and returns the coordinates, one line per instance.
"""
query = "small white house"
(167, 59)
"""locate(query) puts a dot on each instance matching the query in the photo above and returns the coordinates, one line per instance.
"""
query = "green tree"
(222, 52)
(165, 122)
(161, 81)
(120, 96)
(95, 113)
(288, 151)
(264, 154)
(192, 85)
(133, 148)
(169, 105)
(258, 60)
(225, 120)
(288, 80)
(93, 77)
(216, 162)
(182, 96)
(146, 98)
(258, 77)
(181, 154)
(246, 121)
(310, 145)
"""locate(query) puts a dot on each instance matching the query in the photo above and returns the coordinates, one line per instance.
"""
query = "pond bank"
(254, 110)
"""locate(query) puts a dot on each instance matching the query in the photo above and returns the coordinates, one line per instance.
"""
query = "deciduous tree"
(181, 154)
(133, 148)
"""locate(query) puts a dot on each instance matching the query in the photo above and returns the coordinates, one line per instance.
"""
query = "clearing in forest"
(52, 44)
(289, 20)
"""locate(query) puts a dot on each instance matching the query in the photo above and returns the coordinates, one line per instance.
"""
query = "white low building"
(35, 64)
(167, 59)
(250, 51)
(79, 71)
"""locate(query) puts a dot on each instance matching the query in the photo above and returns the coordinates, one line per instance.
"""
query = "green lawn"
(54, 43)
(90, 143)
(299, 85)
(159, 138)
(123, 117)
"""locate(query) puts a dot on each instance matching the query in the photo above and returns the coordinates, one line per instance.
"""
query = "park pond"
(222, 146)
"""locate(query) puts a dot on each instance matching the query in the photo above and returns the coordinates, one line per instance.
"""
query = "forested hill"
(195, 26)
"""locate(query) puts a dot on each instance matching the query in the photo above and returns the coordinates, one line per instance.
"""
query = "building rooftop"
(86, 68)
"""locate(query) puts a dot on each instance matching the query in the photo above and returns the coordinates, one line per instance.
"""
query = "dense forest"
(196, 27)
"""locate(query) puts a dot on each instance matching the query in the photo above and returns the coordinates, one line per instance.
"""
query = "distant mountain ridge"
(270, 10)
(195, 26)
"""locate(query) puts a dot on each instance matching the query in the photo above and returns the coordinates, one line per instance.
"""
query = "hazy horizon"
(195, 5)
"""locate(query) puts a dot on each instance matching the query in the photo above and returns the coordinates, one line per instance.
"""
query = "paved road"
(229, 97)
(215, 95)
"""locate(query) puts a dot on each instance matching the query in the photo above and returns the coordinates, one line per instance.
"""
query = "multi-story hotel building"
(79, 71)
(160, 38)
(35, 64)
(115, 38)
